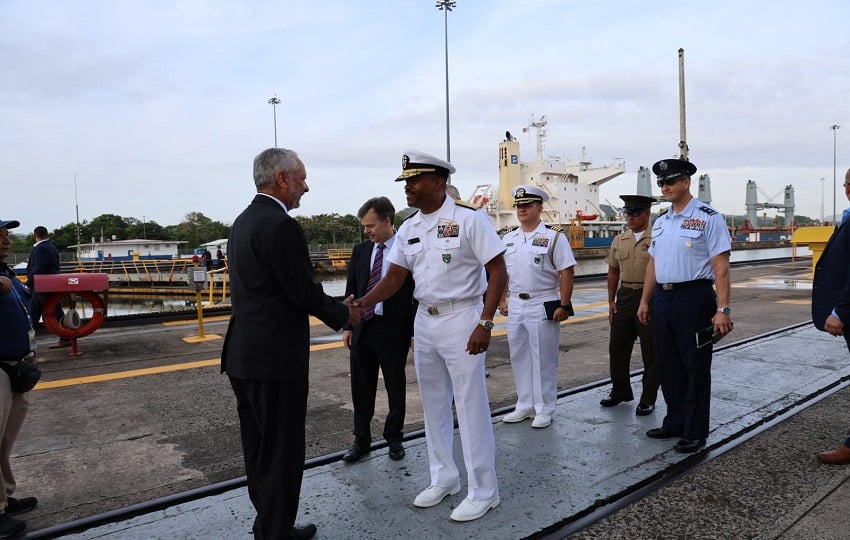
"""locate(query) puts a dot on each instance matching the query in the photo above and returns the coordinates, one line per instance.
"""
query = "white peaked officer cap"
(414, 163)
(528, 194)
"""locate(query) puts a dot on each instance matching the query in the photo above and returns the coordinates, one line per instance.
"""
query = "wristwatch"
(488, 325)
(724, 310)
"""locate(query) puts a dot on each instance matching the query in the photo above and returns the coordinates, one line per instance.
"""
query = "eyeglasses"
(668, 181)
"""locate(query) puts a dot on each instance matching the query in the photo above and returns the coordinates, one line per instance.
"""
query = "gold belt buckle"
(432, 310)
(667, 286)
(524, 296)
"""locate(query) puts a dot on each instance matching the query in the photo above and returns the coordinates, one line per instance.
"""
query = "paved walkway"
(587, 455)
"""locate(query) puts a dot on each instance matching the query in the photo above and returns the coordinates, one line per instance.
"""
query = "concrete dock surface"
(143, 414)
(588, 455)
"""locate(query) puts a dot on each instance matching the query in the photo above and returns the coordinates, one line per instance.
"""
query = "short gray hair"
(271, 161)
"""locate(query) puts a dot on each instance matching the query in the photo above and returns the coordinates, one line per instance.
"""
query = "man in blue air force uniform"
(689, 252)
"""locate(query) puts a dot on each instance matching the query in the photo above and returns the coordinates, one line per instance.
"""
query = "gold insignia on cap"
(662, 166)
(520, 192)
(404, 161)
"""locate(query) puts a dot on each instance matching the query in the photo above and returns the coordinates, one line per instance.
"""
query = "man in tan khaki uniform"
(627, 262)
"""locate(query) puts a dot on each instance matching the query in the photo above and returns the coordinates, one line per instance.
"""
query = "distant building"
(128, 250)
(215, 245)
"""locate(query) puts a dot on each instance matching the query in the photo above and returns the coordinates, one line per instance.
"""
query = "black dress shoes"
(662, 433)
(354, 453)
(610, 401)
(303, 532)
(396, 451)
(688, 446)
(643, 410)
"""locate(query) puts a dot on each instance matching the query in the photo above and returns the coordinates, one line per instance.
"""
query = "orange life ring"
(56, 328)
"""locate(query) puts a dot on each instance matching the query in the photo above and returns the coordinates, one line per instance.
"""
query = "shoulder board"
(556, 228)
(708, 210)
(411, 215)
(663, 211)
(465, 204)
(506, 230)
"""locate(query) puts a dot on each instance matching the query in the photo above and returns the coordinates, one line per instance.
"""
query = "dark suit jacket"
(272, 293)
(399, 309)
(831, 285)
(44, 259)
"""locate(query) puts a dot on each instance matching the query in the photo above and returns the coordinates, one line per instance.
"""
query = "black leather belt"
(667, 287)
(524, 296)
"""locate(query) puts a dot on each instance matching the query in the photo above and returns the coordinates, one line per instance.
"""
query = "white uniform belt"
(527, 295)
(448, 307)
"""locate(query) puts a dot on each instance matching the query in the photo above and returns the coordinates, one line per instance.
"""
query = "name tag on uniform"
(413, 241)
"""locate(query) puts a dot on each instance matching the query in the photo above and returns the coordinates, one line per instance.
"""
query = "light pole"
(835, 128)
(274, 103)
(445, 6)
(144, 227)
(821, 199)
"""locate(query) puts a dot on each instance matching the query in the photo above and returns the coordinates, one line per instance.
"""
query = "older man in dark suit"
(831, 302)
(383, 339)
(267, 346)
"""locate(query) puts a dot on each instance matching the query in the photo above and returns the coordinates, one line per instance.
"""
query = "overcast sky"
(159, 107)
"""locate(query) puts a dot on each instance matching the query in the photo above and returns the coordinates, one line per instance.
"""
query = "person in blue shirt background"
(17, 340)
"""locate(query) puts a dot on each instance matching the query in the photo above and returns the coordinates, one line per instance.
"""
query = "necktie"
(374, 278)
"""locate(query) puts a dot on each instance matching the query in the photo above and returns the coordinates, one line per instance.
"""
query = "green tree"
(196, 229)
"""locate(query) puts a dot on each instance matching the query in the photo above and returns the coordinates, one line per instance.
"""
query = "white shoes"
(518, 416)
(434, 495)
(469, 510)
(541, 421)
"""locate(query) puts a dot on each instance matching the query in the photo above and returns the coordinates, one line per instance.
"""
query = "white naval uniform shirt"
(446, 252)
(532, 261)
(683, 244)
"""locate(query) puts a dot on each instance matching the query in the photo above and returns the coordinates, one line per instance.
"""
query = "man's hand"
(478, 341)
(503, 307)
(723, 323)
(643, 312)
(353, 310)
(834, 326)
(612, 310)
(560, 315)
(346, 339)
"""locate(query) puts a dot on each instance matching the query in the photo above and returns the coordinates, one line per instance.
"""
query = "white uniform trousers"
(445, 370)
(533, 342)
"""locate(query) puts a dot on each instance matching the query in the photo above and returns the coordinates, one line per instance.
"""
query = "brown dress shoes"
(836, 457)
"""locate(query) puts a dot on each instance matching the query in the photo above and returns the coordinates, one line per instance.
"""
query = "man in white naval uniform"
(540, 267)
(447, 246)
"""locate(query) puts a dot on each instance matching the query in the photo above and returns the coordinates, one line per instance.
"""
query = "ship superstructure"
(573, 186)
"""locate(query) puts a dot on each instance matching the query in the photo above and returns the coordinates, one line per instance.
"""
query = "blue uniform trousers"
(683, 370)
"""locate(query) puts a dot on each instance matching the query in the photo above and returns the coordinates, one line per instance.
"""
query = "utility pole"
(274, 102)
(445, 6)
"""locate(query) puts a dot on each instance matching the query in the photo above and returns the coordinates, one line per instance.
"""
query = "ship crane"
(753, 205)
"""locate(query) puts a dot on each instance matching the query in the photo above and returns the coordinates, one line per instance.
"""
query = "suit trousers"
(13, 410)
(684, 370)
(445, 371)
(272, 414)
(533, 342)
(378, 348)
(625, 329)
